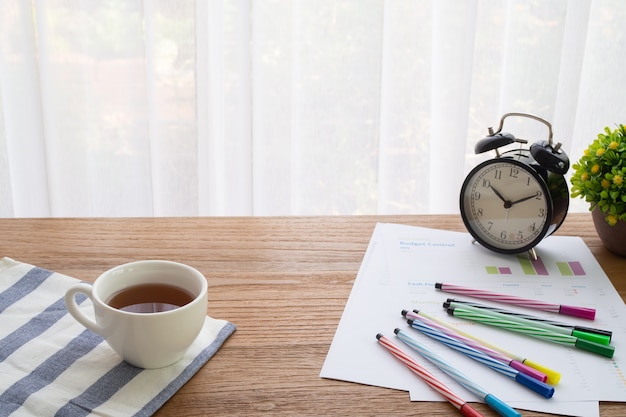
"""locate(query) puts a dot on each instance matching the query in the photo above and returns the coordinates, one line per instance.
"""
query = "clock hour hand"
(525, 198)
(507, 203)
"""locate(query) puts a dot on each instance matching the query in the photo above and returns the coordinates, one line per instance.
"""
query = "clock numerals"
(504, 234)
(505, 205)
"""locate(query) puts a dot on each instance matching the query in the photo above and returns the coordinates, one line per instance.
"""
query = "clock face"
(506, 206)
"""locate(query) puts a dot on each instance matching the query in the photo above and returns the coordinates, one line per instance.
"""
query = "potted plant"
(600, 178)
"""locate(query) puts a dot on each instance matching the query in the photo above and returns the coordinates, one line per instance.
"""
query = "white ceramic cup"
(146, 340)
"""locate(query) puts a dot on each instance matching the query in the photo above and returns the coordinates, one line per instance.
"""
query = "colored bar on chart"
(527, 267)
(565, 269)
(531, 267)
(498, 270)
(569, 269)
(577, 268)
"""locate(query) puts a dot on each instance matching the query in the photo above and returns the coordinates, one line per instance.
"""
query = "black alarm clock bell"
(512, 202)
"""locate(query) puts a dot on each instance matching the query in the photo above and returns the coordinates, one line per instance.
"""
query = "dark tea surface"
(150, 298)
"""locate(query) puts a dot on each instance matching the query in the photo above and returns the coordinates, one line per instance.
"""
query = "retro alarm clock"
(510, 203)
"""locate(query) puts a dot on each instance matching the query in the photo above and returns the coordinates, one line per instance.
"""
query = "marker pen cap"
(592, 337)
(582, 312)
(539, 387)
(468, 411)
(603, 350)
(553, 376)
(500, 407)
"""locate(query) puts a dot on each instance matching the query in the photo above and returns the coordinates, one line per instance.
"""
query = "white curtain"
(277, 107)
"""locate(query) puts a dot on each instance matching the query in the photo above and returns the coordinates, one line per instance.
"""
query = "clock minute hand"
(525, 198)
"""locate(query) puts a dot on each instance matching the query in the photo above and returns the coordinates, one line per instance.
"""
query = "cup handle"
(72, 306)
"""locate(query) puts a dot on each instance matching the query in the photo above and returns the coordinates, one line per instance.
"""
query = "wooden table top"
(284, 281)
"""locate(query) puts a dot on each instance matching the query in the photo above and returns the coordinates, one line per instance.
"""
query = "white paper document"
(399, 271)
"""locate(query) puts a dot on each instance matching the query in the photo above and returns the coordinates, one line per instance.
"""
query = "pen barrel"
(513, 326)
(462, 338)
(500, 357)
(440, 363)
(501, 298)
(422, 372)
(509, 317)
(463, 348)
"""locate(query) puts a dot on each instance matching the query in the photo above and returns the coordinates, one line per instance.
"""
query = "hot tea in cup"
(150, 298)
(149, 312)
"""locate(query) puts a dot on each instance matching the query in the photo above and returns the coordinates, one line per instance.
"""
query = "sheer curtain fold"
(287, 107)
(452, 70)
(23, 164)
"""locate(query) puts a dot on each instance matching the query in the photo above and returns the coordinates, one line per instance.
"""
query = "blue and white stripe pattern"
(456, 374)
(495, 403)
(538, 386)
(463, 348)
(51, 365)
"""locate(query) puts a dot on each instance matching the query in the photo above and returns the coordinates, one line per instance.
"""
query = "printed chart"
(538, 267)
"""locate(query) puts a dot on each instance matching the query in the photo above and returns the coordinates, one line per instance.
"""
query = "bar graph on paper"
(538, 267)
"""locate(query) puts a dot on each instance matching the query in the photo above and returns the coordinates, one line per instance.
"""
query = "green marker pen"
(592, 337)
(597, 335)
(532, 331)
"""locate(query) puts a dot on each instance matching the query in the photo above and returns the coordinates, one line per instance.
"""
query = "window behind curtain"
(182, 108)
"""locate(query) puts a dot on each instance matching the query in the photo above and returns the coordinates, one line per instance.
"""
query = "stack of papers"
(399, 272)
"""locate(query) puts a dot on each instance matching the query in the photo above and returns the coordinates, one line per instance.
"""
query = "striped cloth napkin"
(50, 365)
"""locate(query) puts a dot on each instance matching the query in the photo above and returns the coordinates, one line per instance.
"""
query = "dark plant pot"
(613, 237)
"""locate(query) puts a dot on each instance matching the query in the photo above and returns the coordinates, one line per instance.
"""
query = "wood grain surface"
(283, 281)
